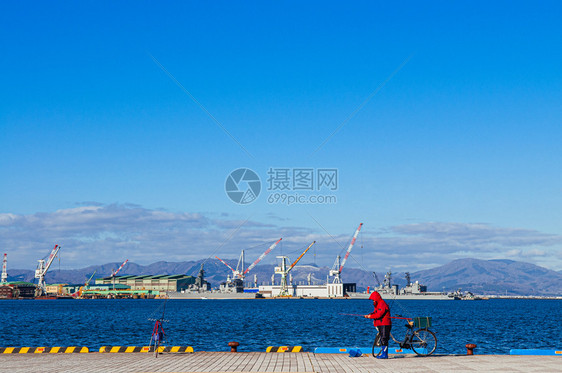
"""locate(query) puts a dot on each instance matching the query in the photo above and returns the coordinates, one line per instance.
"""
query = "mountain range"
(499, 276)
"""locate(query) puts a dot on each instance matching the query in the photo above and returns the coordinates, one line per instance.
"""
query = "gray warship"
(201, 289)
(412, 291)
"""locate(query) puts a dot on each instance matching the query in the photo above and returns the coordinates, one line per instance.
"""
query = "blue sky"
(464, 135)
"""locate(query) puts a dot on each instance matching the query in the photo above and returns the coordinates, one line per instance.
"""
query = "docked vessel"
(201, 289)
(412, 291)
(210, 295)
(468, 295)
(233, 288)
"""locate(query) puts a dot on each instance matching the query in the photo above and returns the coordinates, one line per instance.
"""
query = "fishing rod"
(392, 317)
(351, 314)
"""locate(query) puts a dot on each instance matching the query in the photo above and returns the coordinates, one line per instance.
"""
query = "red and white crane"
(114, 273)
(4, 269)
(41, 271)
(261, 256)
(338, 267)
(235, 272)
(239, 272)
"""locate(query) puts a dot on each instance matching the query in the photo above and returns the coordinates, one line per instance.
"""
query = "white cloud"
(431, 241)
(97, 234)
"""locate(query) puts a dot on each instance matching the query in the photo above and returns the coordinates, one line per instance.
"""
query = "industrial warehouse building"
(153, 283)
(17, 290)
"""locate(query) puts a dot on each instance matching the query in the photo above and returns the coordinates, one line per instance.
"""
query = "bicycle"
(422, 340)
(157, 337)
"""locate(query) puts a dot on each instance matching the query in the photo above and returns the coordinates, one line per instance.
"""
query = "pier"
(207, 362)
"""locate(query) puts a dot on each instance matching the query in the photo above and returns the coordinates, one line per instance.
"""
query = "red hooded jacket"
(381, 314)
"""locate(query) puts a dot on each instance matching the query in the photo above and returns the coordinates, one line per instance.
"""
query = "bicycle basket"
(422, 322)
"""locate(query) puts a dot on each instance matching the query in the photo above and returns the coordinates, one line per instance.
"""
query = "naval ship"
(201, 289)
(412, 291)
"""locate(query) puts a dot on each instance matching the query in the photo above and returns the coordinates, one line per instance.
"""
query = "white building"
(320, 291)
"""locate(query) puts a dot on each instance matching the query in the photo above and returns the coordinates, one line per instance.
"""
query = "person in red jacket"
(382, 321)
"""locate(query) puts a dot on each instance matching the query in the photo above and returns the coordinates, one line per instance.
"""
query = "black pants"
(384, 331)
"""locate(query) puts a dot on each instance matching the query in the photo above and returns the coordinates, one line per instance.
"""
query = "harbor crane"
(87, 283)
(114, 273)
(239, 273)
(235, 272)
(83, 287)
(283, 270)
(338, 267)
(4, 269)
(41, 271)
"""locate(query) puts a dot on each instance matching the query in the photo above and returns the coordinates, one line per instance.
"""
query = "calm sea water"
(495, 326)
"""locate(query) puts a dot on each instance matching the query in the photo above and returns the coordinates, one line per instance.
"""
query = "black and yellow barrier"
(44, 350)
(284, 349)
(129, 349)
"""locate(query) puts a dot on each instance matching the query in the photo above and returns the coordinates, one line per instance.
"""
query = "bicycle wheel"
(424, 342)
(156, 348)
(376, 351)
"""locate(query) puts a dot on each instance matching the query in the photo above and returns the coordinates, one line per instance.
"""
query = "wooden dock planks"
(258, 362)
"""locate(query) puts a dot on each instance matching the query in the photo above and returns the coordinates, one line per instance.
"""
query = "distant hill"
(479, 276)
(500, 276)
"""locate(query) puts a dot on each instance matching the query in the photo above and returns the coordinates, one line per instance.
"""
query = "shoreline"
(484, 297)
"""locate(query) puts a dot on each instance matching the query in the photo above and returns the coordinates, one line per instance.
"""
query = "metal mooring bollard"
(233, 346)
(470, 348)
